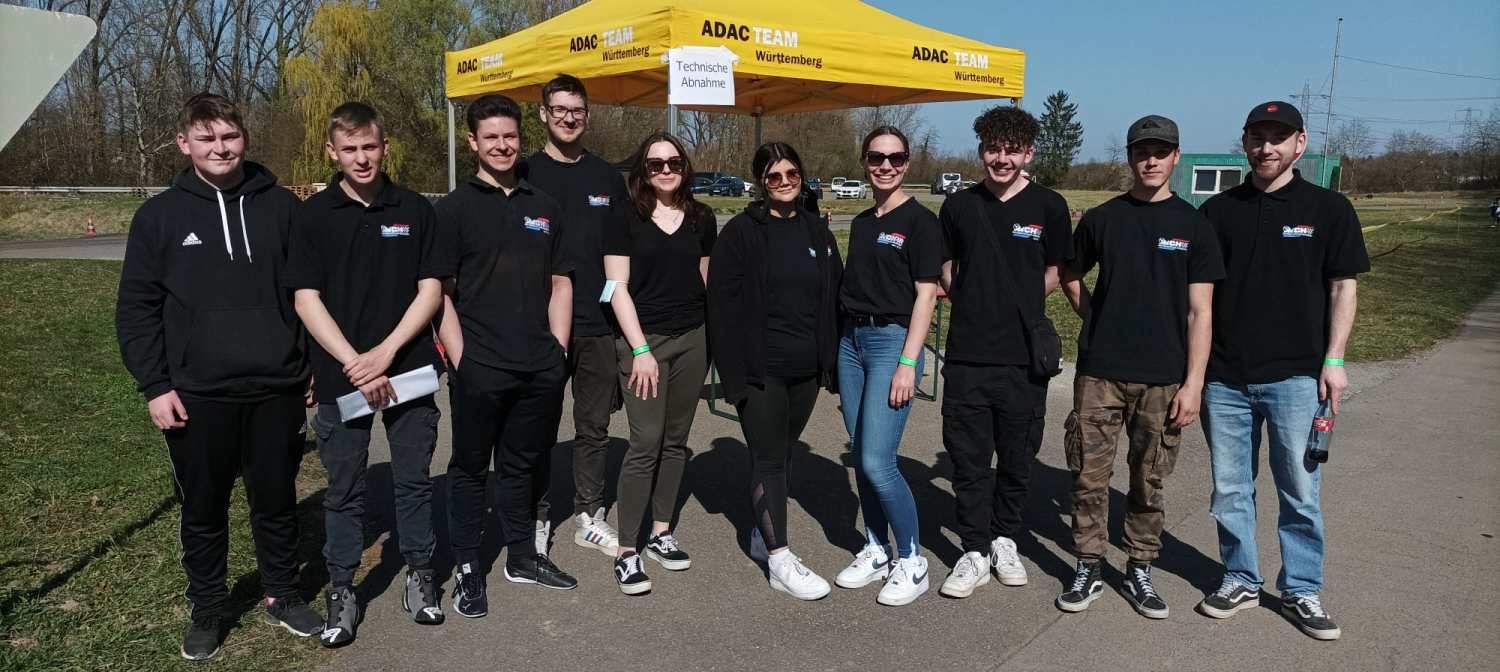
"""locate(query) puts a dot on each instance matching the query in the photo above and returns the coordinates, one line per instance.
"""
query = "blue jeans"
(1232, 419)
(868, 357)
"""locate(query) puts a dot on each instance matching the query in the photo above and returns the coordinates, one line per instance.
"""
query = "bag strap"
(989, 235)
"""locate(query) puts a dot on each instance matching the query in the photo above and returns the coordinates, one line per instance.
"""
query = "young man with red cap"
(1282, 318)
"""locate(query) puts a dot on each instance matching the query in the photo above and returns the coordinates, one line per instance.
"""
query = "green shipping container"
(1199, 176)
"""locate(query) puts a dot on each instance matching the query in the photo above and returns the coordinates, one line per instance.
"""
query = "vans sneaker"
(907, 582)
(1311, 618)
(631, 575)
(420, 599)
(1231, 598)
(1006, 563)
(872, 563)
(790, 576)
(1139, 592)
(972, 571)
(1088, 585)
(664, 550)
(343, 618)
(595, 534)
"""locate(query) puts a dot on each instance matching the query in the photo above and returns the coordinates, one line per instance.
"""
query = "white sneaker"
(907, 582)
(595, 534)
(790, 576)
(873, 562)
(972, 571)
(1006, 562)
(543, 536)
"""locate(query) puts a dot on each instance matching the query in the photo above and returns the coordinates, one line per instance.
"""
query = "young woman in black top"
(772, 289)
(656, 266)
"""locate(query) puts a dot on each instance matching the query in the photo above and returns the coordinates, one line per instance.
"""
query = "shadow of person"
(935, 504)
(719, 478)
(246, 590)
(1049, 504)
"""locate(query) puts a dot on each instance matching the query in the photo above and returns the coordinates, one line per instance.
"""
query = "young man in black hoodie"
(215, 346)
(364, 267)
(506, 317)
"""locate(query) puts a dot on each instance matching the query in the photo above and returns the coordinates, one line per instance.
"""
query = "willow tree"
(336, 67)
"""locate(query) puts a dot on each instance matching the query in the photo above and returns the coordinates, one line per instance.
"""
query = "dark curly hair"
(1007, 125)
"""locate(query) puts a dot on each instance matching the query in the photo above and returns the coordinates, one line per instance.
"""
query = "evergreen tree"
(1059, 141)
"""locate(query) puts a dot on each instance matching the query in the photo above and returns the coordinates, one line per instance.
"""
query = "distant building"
(1199, 176)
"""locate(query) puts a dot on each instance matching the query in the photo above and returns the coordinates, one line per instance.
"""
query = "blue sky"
(1206, 64)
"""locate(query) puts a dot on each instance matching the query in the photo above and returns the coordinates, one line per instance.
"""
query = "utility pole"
(1471, 139)
(1333, 79)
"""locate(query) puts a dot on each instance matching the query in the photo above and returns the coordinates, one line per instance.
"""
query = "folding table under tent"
(794, 56)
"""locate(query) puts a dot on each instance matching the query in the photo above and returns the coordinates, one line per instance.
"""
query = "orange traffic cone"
(90, 230)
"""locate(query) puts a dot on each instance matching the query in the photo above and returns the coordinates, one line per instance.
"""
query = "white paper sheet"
(413, 384)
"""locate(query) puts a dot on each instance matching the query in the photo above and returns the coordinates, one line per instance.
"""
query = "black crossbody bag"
(1043, 344)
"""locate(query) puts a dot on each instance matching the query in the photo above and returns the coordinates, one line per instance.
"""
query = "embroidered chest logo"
(539, 224)
(895, 240)
(1299, 231)
(395, 230)
(599, 200)
(1026, 231)
(191, 239)
(1172, 244)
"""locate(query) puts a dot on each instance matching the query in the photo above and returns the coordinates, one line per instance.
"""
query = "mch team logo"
(1172, 244)
(895, 240)
(395, 230)
(541, 224)
(1299, 231)
(1028, 231)
(600, 200)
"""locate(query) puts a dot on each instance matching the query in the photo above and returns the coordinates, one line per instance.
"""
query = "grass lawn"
(55, 216)
(89, 574)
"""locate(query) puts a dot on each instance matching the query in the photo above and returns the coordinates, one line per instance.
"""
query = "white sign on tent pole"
(36, 48)
(700, 75)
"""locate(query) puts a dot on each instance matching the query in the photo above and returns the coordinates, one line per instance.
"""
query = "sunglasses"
(659, 166)
(775, 180)
(897, 159)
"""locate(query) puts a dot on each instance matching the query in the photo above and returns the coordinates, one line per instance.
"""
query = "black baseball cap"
(1277, 111)
(1152, 127)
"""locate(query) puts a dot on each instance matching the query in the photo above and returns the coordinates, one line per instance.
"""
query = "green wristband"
(1330, 361)
(907, 361)
(645, 348)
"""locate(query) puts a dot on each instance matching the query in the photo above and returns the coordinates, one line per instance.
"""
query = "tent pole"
(673, 119)
(452, 161)
(757, 129)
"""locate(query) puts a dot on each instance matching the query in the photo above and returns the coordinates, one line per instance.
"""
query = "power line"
(1382, 99)
(1430, 72)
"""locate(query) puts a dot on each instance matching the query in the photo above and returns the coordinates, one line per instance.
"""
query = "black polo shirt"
(504, 250)
(792, 294)
(1148, 254)
(365, 263)
(1281, 252)
(1032, 231)
(887, 255)
(665, 282)
(592, 196)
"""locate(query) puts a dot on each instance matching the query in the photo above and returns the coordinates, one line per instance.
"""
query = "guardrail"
(303, 191)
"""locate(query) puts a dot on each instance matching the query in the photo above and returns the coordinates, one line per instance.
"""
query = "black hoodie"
(738, 298)
(201, 309)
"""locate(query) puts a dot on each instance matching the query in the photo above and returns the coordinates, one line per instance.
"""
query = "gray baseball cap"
(1152, 127)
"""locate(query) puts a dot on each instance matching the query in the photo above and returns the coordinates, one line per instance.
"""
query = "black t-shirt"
(1032, 231)
(504, 250)
(592, 196)
(1281, 251)
(887, 255)
(365, 263)
(792, 288)
(665, 282)
(1148, 254)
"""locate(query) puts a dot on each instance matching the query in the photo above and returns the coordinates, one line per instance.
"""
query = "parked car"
(850, 189)
(815, 185)
(702, 185)
(727, 186)
(941, 182)
(837, 181)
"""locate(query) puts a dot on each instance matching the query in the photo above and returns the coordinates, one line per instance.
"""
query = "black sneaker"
(538, 568)
(420, 599)
(1231, 598)
(664, 550)
(1311, 618)
(293, 614)
(204, 636)
(1139, 592)
(468, 593)
(343, 618)
(631, 575)
(1088, 585)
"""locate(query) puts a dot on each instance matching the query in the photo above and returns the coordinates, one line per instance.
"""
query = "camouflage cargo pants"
(1101, 408)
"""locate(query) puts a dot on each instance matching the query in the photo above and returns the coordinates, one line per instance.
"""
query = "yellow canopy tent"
(794, 56)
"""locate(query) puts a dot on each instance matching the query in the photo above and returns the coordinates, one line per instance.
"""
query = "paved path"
(99, 247)
(1410, 496)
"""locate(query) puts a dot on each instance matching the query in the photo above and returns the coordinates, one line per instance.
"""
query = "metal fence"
(303, 191)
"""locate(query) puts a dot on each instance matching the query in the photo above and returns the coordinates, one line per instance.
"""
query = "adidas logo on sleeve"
(191, 239)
